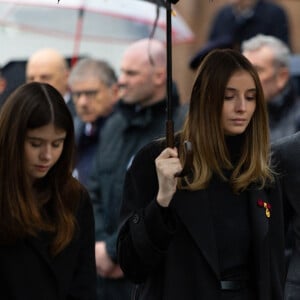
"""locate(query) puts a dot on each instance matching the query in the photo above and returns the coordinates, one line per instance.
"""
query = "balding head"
(49, 66)
(143, 72)
(148, 51)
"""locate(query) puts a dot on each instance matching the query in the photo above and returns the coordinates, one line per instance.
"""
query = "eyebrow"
(233, 89)
(42, 139)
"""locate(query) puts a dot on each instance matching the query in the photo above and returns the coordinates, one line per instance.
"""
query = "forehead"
(241, 79)
(48, 131)
(87, 82)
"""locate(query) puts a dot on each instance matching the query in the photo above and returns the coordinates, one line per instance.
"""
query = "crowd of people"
(94, 204)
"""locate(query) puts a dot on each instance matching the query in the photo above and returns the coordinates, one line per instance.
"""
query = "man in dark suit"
(286, 156)
(94, 90)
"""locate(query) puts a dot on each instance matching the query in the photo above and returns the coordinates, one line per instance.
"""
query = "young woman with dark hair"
(46, 219)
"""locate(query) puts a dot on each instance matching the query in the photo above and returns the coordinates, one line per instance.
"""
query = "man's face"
(93, 99)
(269, 74)
(48, 72)
(136, 80)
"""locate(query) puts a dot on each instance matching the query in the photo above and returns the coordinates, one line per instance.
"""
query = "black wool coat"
(28, 272)
(286, 155)
(176, 258)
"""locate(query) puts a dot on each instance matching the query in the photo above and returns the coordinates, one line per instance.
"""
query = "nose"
(241, 104)
(122, 79)
(82, 99)
(46, 153)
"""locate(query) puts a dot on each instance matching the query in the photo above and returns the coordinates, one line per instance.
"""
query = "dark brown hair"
(51, 205)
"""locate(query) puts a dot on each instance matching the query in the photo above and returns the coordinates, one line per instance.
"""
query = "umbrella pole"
(169, 122)
(188, 159)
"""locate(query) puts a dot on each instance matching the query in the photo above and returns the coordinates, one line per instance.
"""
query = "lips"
(42, 168)
(238, 121)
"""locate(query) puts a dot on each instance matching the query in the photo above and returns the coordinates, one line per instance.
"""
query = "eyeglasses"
(90, 94)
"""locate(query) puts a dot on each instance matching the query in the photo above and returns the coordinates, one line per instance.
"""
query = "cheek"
(252, 108)
(57, 154)
(225, 110)
(29, 153)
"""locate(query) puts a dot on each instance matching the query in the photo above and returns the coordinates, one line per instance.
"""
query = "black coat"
(28, 272)
(180, 262)
(287, 156)
(123, 135)
(266, 18)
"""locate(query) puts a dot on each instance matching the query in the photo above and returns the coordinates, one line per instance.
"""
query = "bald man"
(139, 118)
(50, 66)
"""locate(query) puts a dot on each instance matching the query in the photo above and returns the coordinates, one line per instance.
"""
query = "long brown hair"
(51, 205)
(203, 126)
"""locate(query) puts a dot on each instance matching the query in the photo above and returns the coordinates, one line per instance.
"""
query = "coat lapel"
(41, 248)
(193, 208)
(259, 216)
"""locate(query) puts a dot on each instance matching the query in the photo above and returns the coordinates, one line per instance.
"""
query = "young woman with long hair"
(46, 219)
(216, 233)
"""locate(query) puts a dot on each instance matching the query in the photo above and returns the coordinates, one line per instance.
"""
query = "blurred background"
(191, 27)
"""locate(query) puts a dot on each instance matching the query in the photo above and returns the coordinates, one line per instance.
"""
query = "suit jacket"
(28, 272)
(175, 257)
(286, 156)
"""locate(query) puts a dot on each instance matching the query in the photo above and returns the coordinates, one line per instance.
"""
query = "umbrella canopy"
(82, 27)
(103, 20)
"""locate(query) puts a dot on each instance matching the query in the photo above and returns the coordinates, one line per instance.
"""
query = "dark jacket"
(286, 155)
(284, 113)
(28, 272)
(229, 30)
(176, 257)
(87, 144)
(266, 18)
(129, 129)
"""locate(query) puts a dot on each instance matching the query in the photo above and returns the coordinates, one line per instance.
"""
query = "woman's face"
(239, 103)
(43, 147)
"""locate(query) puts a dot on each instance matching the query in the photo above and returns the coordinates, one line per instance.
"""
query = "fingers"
(168, 163)
(167, 166)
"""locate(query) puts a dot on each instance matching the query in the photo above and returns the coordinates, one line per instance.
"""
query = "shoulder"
(270, 7)
(77, 194)
(149, 152)
(285, 153)
(288, 144)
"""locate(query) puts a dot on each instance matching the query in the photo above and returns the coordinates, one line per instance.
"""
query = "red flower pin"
(266, 206)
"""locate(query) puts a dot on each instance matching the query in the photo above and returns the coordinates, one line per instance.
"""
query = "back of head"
(242, 6)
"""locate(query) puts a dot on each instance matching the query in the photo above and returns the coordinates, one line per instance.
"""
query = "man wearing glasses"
(94, 92)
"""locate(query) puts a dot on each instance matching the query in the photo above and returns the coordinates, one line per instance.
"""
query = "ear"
(283, 76)
(114, 89)
(160, 75)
